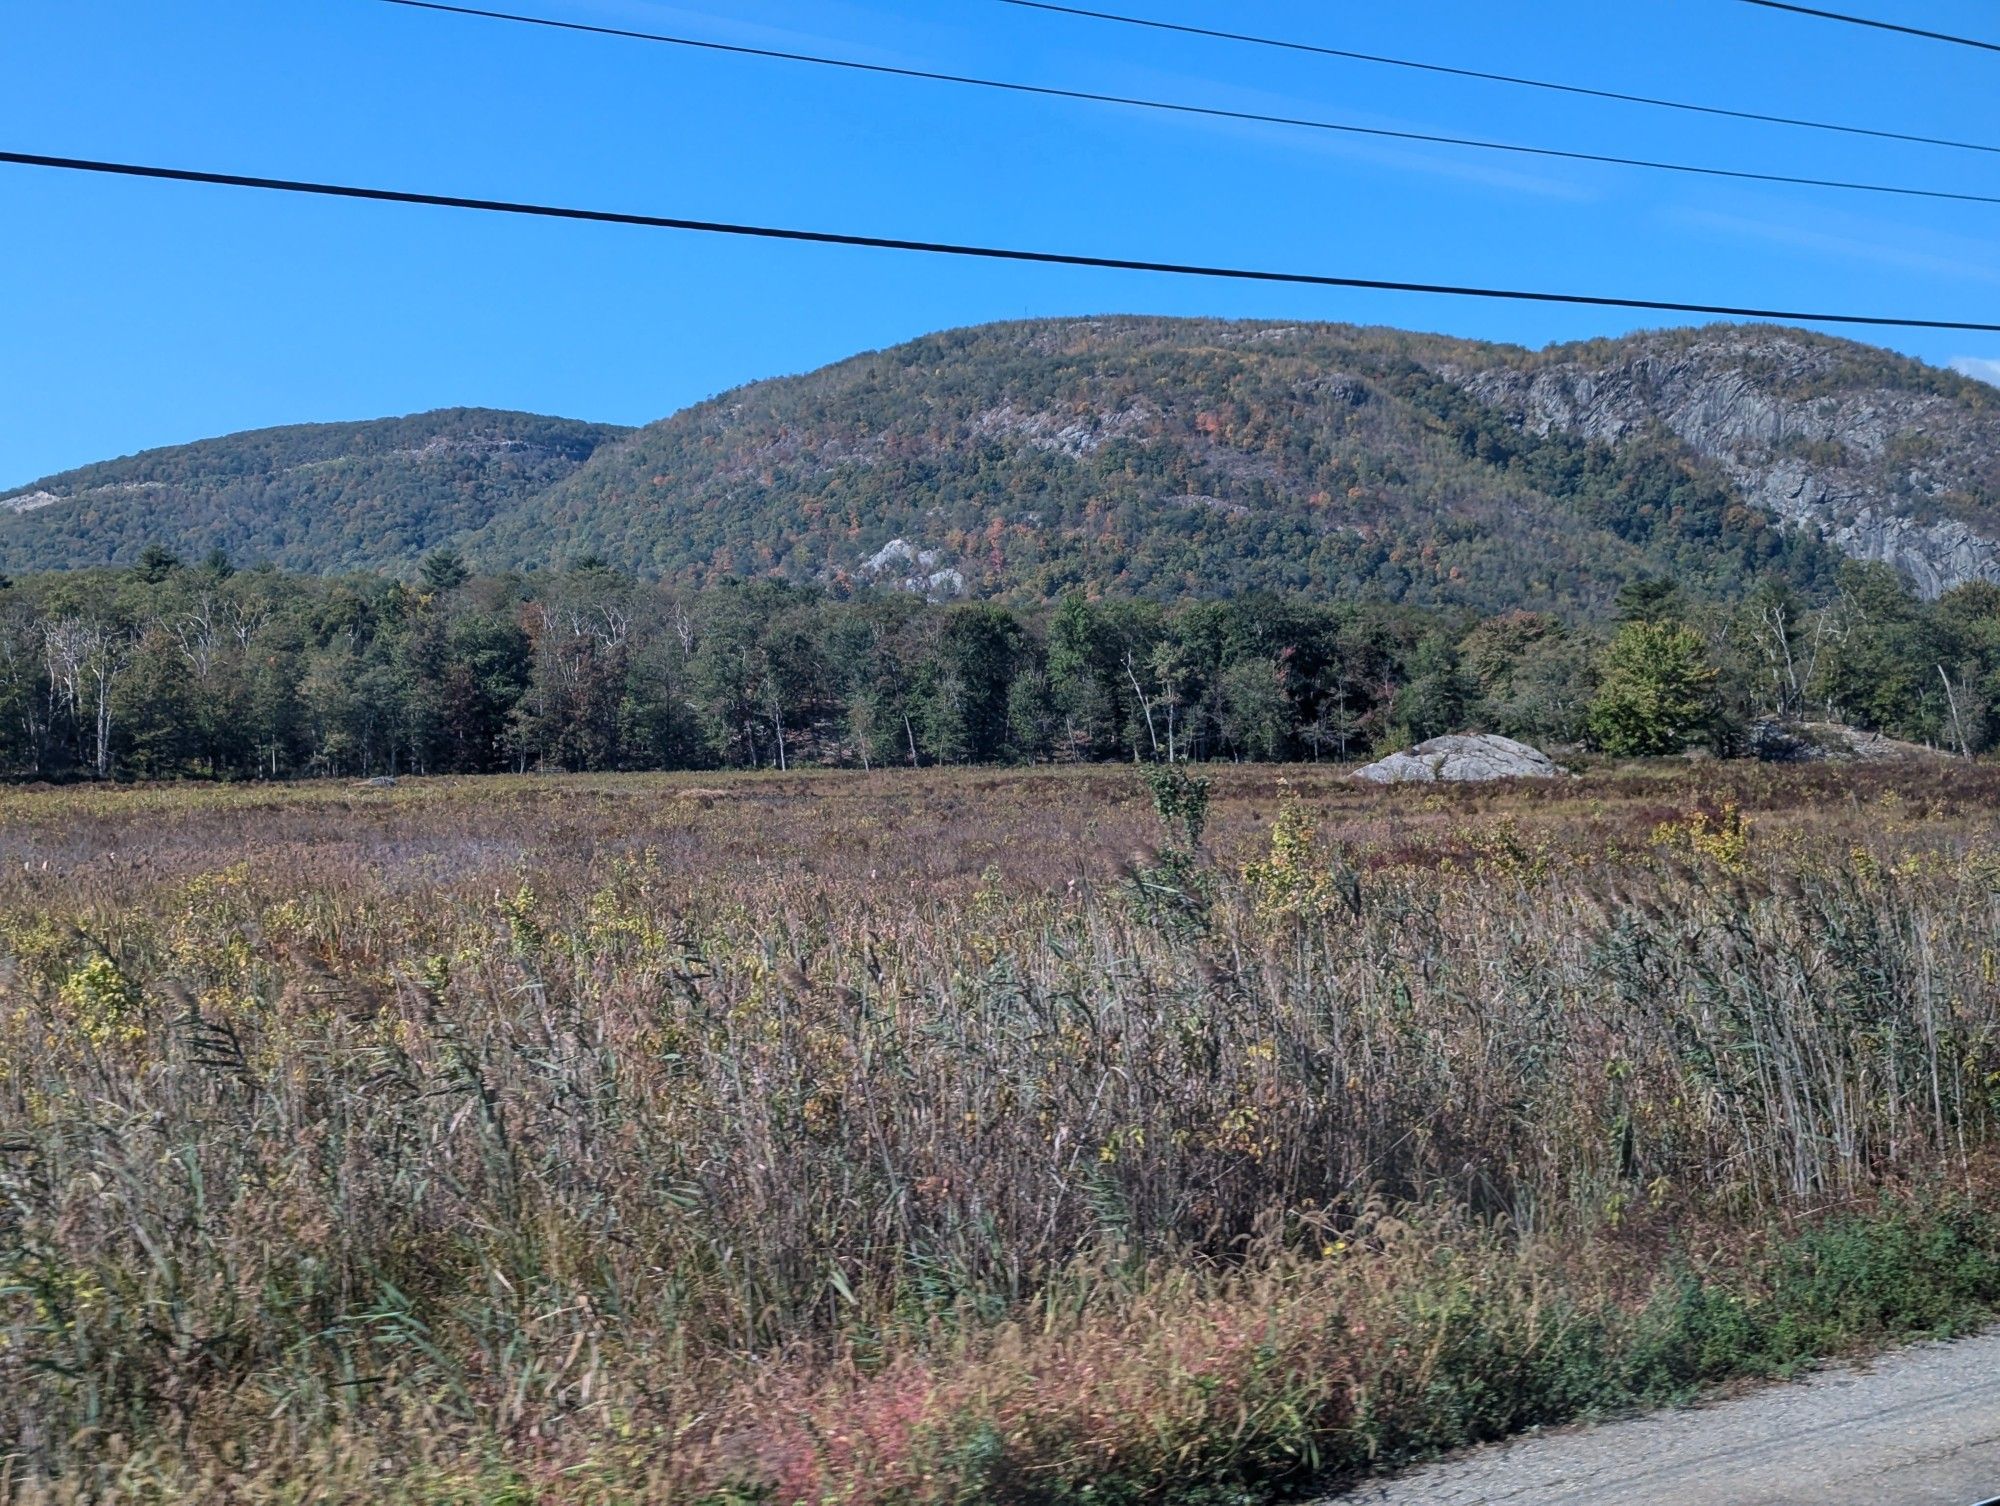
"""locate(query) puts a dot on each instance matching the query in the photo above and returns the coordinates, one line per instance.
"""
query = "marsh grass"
(881, 1139)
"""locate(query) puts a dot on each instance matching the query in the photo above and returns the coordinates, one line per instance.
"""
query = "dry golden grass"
(933, 1137)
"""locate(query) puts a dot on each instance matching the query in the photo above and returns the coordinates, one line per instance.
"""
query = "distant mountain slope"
(1888, 458)
(1191, 456)
(1161, 456)
(309, 497)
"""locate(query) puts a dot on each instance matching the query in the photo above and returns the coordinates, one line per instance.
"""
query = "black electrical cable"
(1213, 112)
(947, 248)
(1621, 97)
(1875, 25)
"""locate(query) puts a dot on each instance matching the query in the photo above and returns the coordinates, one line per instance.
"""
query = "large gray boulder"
(1820, 742)
(1479, 756)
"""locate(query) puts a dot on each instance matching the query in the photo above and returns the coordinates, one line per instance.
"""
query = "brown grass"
(871, 1138)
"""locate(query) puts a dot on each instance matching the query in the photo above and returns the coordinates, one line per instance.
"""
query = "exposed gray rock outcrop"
(1471, 758)
(1877, 459)
(1820, 742)
(921, 572)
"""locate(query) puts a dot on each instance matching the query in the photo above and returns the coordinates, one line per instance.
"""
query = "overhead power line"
(1315, 49)
(1210, 111)
(947, 248)
(1875, 25)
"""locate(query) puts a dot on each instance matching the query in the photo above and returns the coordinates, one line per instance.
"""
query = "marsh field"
(1037, 1136)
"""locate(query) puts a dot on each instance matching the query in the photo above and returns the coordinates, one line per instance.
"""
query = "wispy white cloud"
(1979, 368)
(1459, 165)
(720, 25)
(1861, 240)
(1494, 170)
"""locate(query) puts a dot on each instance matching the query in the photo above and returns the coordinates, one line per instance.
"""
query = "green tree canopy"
(1657, 693)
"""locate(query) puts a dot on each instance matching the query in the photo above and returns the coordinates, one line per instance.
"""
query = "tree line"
(173, 669)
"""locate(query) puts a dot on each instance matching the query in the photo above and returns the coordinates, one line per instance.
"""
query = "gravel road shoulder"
(1919, 1427)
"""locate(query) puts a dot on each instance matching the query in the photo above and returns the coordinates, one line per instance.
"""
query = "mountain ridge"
(372, 493)
(1146, 455)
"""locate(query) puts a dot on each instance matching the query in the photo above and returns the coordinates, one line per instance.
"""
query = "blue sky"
(136, 314)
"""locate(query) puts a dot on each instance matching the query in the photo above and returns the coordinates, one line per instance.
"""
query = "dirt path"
(1919, 1427)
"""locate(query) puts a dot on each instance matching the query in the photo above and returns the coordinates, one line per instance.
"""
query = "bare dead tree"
(1145, 705)
(84, 658)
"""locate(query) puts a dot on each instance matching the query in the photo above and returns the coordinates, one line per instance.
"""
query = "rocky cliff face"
(1886, 458)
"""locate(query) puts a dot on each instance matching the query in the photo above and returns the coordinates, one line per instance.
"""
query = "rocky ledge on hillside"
(1462, 759)
(1885, 458)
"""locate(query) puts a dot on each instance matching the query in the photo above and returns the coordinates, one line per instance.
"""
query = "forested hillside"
(306, 497)
(172, 669)
(1153, 458)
